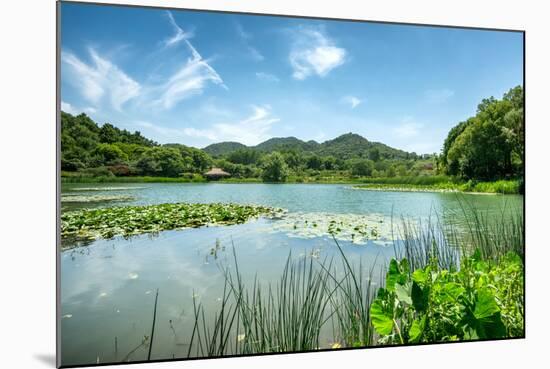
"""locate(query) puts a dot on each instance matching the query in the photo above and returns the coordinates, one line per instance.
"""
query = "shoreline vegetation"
(401, 184)
(483, 154)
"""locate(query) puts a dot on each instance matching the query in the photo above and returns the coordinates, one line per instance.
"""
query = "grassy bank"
(419, 183)
(440, 184)
(442, 286)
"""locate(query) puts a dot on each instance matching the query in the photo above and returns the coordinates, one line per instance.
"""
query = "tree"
(329, 162)
(274, 168)
(110, 154)
(490, 145)
(374, 154)
(244, 156)
(361, 167)
(164, 161)
(314, 162)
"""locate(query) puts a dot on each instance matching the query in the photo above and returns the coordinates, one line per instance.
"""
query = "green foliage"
(439, 183)
(244, 156)
(274, 168)
(481, 300)
(490, 145)
(361, 167)
(103, 151)
(109, 154)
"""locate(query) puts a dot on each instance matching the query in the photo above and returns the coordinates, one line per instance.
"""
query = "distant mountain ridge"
(346, 146)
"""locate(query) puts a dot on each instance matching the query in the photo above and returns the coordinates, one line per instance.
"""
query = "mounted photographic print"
(244, 184)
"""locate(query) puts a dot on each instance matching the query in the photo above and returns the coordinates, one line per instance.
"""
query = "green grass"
(312, 296)
(113, 179)
(440, 184)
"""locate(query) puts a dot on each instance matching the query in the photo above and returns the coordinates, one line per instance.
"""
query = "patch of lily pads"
(94, 198)
(88, 189)
(354, 228)
(128, 221)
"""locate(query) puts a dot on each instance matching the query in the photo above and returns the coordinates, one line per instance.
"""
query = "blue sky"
(197, 78)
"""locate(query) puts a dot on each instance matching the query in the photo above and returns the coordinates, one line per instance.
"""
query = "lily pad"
(355, 228)
(133, 220)
(95, 198)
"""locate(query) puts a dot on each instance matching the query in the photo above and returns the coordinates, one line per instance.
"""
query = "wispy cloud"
(100, 79)
(352, 101)
(189, 80)
(408, 128)
(246, 38)
(249, 131)
(313, 52)
(267, 77)
(166, 132)
(179, 35)
(438, 96)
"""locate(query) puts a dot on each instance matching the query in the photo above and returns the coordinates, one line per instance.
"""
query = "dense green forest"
(486, 147)
(490, 145)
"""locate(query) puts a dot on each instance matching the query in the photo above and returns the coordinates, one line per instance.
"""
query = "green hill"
(223, 148)
(285, 144)
(349, 145)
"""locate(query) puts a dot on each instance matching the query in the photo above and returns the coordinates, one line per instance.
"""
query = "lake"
(108, 286)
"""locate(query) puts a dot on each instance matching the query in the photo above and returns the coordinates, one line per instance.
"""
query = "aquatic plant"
(482, 300)
(355, 228)
(437, 288)
(94, 198)
(133, 220)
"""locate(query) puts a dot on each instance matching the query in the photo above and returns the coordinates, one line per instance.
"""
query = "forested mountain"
(223, 148)
(346, 146)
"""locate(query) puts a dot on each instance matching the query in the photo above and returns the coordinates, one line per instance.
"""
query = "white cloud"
(267, 77)
(69, 108)
(249, 131)
(189, 80)
(352, 101)
(179, 35)
(408, 128)
(314, 53)
(438, 96)
(100, 79)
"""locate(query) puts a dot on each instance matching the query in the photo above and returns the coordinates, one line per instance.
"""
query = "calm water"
(108, 287)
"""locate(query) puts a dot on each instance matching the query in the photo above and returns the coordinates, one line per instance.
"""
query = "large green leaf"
(485, 305)
(416, 330)
(403, 293)
(382, 320)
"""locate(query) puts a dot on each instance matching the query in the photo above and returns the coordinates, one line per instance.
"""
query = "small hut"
(216, 173)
